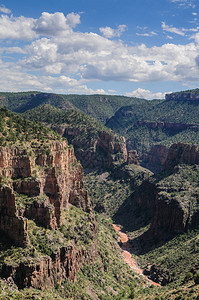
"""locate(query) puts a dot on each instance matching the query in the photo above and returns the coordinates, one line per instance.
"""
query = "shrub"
(196, 278)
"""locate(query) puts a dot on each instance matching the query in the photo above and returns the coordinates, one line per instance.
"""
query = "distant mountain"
(20, 102)
(100, 107)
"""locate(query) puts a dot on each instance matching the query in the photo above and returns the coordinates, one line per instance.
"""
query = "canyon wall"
(100, 149)
(38, 184)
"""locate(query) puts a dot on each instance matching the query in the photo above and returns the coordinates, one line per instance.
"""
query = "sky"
(138, 48)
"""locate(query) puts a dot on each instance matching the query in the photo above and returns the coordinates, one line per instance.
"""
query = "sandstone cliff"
(95, 149)
(173, 195)
(155, 159)
(40, 184)
(181, 153)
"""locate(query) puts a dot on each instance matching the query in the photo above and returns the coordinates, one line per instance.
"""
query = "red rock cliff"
(55, 174)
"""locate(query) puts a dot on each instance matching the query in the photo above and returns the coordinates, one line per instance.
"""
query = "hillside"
(98, 106)
(165, 122)
(51, 244)
(95, 145)
(46, 204)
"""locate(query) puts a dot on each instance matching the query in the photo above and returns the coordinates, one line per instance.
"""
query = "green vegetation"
(100, 107)
(141, 136)
(112, 193)
(182, 185)
(72, 118)
(18, 131)
(20, 102)
(107, 277)
(109, 190)
(82, 131)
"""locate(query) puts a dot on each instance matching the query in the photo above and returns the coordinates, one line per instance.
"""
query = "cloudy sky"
(141, 48)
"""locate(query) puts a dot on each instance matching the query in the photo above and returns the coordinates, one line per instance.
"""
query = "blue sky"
(141, 48)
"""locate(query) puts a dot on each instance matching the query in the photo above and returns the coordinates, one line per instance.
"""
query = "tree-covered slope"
(44, 240)
(95, 145)
(98, 106)
(166, 122)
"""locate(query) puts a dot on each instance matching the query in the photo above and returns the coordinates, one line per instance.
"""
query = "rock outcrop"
(55, 175)
(192, 95)
(174, 127)
(46, 272)
(11, 222)
(158, 275)
(181, 153)
(95, 149)
(155, 159)
(133, 158)
(173, 194)
(39, 184)
(170, 216)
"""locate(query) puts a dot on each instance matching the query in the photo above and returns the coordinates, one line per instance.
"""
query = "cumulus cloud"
(21, 28)
(170, 28)
(14, 79)
(109, 32)
(73, 19)
(50, 24)
(55, 24)
(16, 28)
(58, 53)
(4, 10)
(146, 94)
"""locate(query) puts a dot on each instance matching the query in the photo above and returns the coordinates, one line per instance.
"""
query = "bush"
(196, 278)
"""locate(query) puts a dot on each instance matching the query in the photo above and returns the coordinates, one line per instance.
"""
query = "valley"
(79, 173)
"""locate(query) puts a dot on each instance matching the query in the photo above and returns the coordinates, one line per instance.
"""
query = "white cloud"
(4, 10)
(73, 19)
(184, 3)
(13, 50)
(58, 54)
(16, 28)
(21, 28)
(146, 94)
(109, 32)
(50, 24)
(152, 33)
(170, 28)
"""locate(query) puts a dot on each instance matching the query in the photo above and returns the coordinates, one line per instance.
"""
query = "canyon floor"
(127, 256)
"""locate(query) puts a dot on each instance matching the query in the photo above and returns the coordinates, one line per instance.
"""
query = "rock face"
(155, 159)
(173, 196)
(174, 127)
(46, 272)
(182, 154)
(158, 275)
(133, 158)
(181, 96)
(170, 217)
(100, 149)
(49, 182)
(57, 175)
(11, 223)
